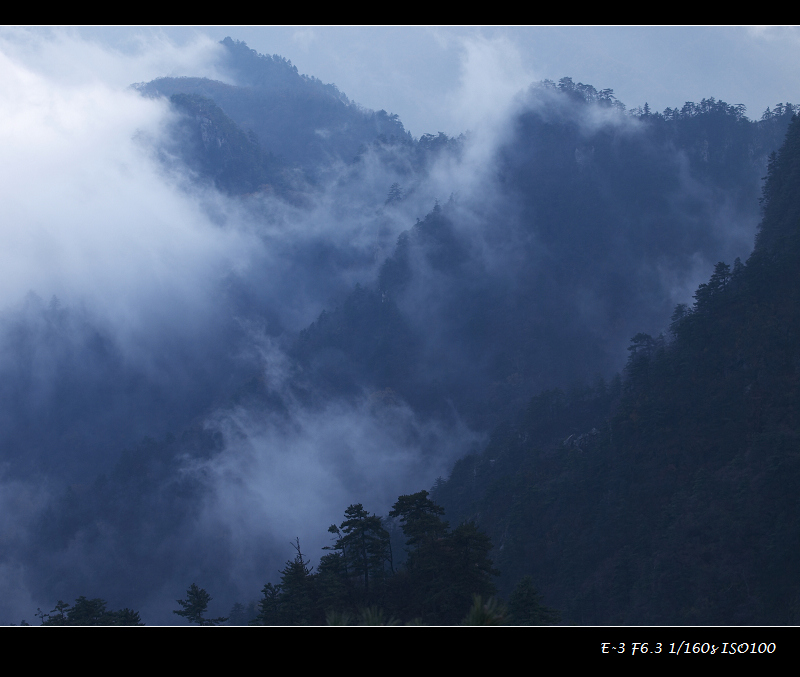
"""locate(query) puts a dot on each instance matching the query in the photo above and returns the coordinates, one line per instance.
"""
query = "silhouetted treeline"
(443, 569)
(88, 612)
(443, 575)
(443, 579)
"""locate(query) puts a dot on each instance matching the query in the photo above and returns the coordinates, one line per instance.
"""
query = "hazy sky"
(419, 72)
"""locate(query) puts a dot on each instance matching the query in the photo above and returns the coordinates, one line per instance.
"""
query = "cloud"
(492, 78)
(132, 245)
(70, 57)
(97, 213)
(492, 74)
(287, 475)
(21, 504)
(90, 215)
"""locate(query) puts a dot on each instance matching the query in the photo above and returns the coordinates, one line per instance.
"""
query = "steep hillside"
(586, 228)
(670, 498)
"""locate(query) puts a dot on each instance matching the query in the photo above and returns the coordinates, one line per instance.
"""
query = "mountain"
(328, 311)
(209, 143)
(669, 497)
(294, 117)
(585, 228)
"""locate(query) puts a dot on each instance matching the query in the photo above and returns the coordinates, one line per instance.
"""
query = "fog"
(166, 420)
(128, 287)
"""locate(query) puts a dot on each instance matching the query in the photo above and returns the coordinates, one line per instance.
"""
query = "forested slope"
(671, 496)
(295, 117)
(585, 229)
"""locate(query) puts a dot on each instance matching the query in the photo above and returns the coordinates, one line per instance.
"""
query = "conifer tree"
(195, 605)
(525, 607)
(297, 591)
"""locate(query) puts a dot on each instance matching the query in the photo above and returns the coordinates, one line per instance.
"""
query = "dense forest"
(540, 327)
(669, 496)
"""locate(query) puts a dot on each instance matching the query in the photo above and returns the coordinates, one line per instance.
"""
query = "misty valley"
(266, 358)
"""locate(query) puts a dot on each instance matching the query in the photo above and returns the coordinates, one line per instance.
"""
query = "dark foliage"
(681, 506)
(89, 612)
(436, 585)
(525, 607)
(570, 262)
(194, 607)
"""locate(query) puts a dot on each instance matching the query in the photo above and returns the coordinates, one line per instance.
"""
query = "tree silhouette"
(195, 605)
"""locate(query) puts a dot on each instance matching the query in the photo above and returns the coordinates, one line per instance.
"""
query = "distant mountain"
(295, 117)
(587, 226)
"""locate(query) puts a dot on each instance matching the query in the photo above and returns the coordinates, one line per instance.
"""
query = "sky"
(419, 72)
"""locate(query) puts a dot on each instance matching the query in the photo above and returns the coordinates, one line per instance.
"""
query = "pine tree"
(88, 612)
(269, 608)
(525, 607)
(195, 605)
(420, 521)
(297, 591)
